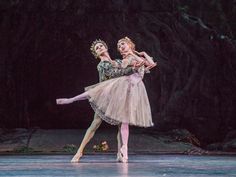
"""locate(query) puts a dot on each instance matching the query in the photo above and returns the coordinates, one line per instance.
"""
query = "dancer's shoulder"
(103, 65)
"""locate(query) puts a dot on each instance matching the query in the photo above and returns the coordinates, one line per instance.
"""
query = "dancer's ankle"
(124, 151)
(79, 152)
(76, 157)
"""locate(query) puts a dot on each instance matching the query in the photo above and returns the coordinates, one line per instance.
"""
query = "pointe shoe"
(118, 157)
(76, 157)
(124, 154)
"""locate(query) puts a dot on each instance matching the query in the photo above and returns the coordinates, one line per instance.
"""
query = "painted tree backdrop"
(44, 55)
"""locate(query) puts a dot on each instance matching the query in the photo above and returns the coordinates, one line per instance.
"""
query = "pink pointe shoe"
(76, 157)
(124, 154)
(118, 157)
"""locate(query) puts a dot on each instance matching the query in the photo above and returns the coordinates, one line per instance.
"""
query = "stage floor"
(105, 166)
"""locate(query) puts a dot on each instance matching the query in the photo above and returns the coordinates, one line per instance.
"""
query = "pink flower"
(104, 142)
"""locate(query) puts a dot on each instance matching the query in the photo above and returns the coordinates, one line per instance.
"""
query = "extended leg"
(82, 96)
(89, 134)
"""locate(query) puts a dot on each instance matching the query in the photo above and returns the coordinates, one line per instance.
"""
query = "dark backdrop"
(44, 55)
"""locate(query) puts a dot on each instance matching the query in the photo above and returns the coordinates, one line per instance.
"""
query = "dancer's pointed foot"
(76, 157)
(118, 157)
(124, 154)
(64, 100)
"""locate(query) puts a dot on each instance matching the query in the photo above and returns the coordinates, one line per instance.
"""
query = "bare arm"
(149, 60)
(146, 57)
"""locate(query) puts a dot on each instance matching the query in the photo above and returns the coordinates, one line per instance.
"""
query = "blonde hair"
(129, 41)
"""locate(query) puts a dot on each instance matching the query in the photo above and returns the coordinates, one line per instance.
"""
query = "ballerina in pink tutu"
(122, 100)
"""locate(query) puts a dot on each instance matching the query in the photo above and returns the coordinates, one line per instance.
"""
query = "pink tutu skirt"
(121, 100)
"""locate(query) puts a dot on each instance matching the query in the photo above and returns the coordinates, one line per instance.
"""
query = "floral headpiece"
(129, 41)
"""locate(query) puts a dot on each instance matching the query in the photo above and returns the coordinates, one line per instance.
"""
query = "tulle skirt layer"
(121, 100)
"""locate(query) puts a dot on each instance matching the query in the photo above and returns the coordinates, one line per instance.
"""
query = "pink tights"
(125, 137)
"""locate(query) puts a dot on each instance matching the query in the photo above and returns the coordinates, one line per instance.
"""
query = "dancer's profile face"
(123, 46)
(100, 48)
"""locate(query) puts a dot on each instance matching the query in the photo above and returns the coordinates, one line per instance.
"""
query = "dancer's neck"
(126, 54)
(105, 57)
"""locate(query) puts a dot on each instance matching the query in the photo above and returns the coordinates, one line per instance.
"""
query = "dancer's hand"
(140, 53)
(137, 65)
(151, 66)
(64, 101)
(141, 63)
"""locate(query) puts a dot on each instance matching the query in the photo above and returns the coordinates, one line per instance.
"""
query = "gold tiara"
(92, 49)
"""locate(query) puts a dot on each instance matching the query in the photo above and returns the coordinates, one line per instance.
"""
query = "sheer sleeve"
(125, 63)
(128, 61)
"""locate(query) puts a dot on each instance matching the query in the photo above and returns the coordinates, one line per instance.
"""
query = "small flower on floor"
(104, 142)
(103, 146)
(70, 148)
